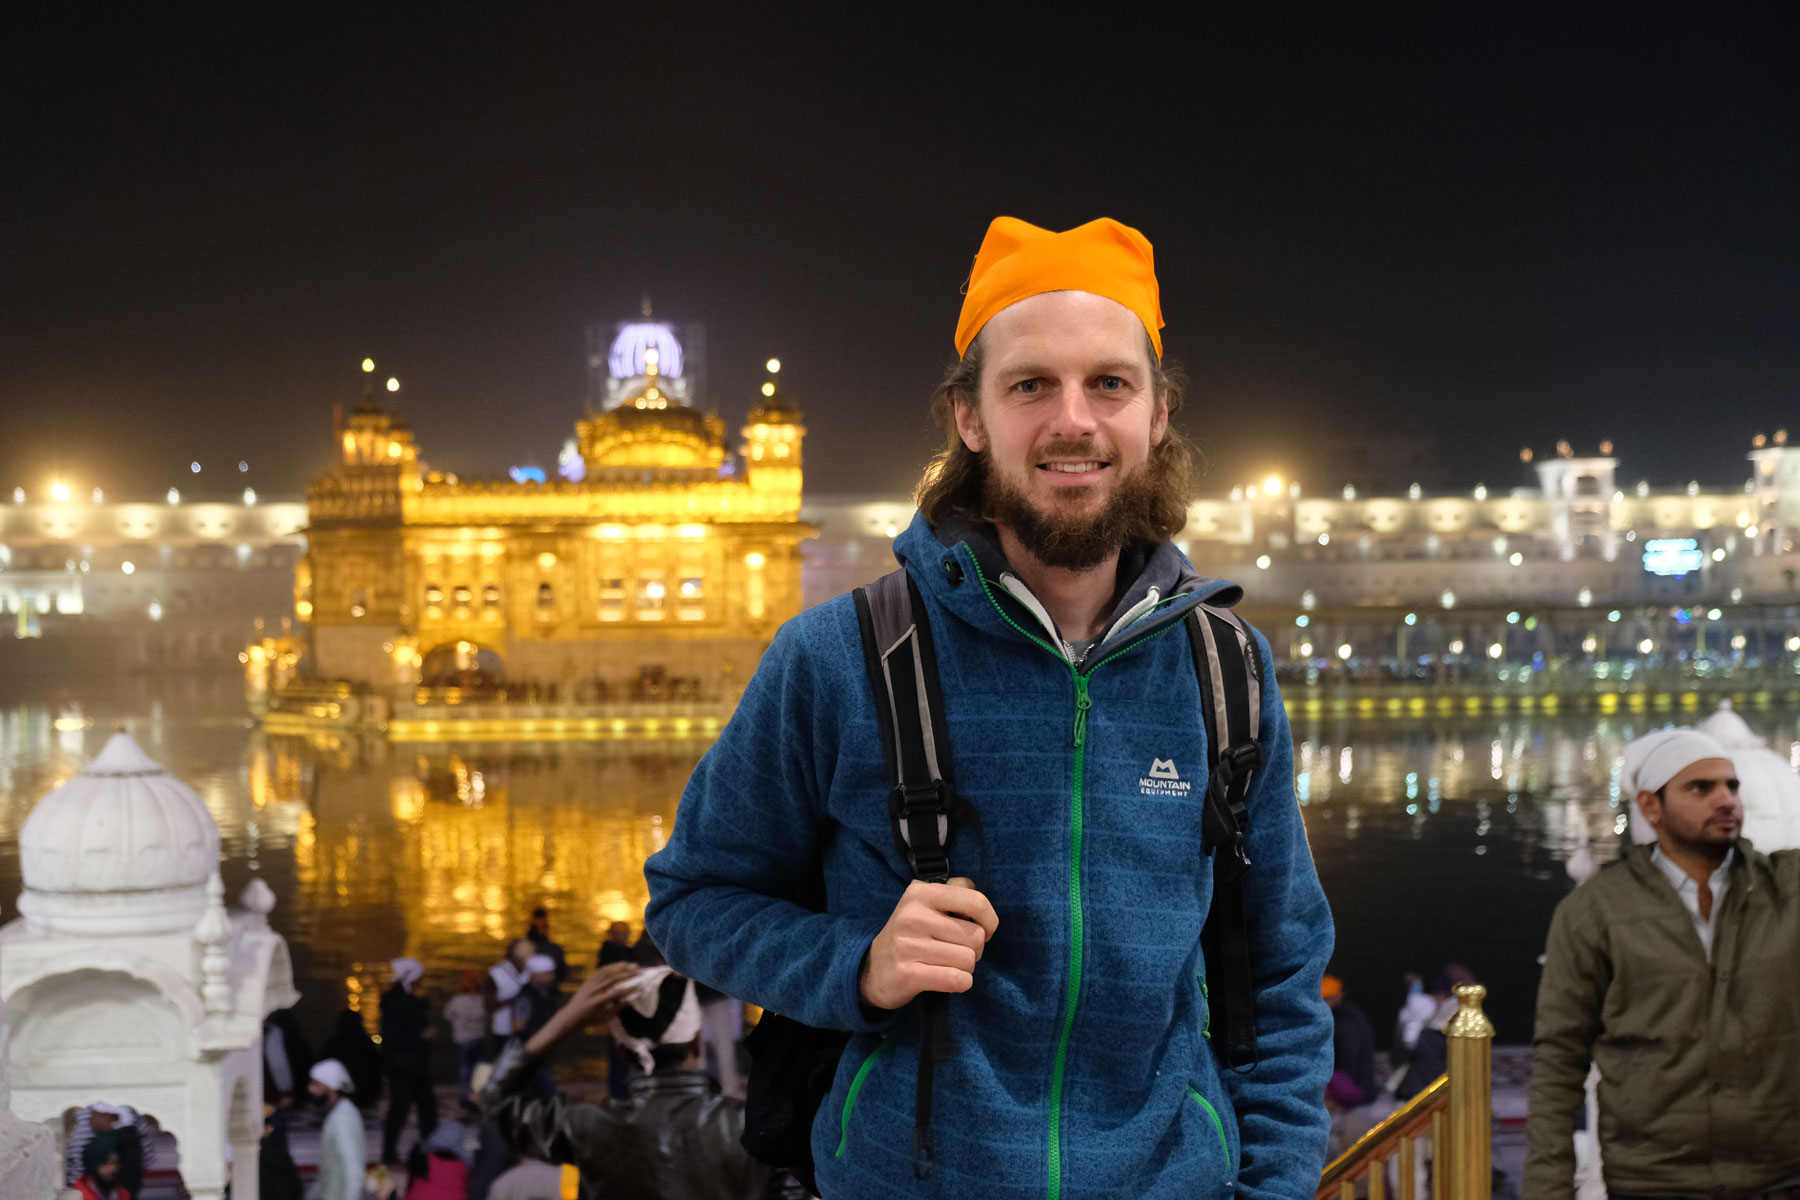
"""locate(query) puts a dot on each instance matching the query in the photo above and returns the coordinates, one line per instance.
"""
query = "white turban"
(644, 998)
(331, 1073)
(407, 971)
(540, 964)
(1656, 758)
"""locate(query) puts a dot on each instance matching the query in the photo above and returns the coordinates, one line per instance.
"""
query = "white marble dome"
(122, 848)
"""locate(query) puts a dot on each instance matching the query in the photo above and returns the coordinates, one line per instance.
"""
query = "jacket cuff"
(860, 1017)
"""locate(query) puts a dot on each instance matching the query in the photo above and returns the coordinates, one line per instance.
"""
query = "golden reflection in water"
(442, 854)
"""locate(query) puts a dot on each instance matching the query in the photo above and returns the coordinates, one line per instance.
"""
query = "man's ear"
(968, 427)
(1159, 422)
(1651, 807)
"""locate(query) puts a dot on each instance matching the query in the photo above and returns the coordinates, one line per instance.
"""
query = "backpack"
(792, 1065)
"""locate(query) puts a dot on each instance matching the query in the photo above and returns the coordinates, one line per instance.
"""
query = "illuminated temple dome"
(637, 339)
(651, 433)
(124, 847)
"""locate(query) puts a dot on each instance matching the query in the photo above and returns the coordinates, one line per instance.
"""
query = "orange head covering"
(1331, 987)
(1018, 259)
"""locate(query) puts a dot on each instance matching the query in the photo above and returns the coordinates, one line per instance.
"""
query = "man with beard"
(1079, 1060)
(1677, 973)
(341, 1167)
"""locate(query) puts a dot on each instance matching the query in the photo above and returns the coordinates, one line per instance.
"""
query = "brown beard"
(1072, 543)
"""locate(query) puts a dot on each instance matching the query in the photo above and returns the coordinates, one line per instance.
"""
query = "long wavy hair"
(952, 485)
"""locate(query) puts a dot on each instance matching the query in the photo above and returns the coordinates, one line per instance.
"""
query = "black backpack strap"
(1229, 671)
(923, 806)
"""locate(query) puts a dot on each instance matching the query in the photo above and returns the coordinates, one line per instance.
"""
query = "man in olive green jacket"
(1677, 972)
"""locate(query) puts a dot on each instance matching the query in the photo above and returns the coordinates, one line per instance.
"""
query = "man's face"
(108, 1171)
(619, 933)
(543, 979)
(1066, 420)
(317, 1090)
(1699, 809)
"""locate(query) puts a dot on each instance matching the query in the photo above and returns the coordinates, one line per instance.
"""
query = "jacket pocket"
(856, 1086)
(1218, 1127)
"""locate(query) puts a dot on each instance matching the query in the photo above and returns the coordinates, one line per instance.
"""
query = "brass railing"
(1455, 1113)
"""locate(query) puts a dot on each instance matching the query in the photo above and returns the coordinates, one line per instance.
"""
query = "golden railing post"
(1471, 1043)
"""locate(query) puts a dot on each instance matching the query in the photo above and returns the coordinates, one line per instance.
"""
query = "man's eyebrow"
(1112, 366)
(1118, 366)
(1022, 370)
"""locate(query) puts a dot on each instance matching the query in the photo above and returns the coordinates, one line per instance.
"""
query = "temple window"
(461, 595)
(691, 599)
(650, 597)
(490, 595)
(434, 594)
(546, 597)
(612, 599)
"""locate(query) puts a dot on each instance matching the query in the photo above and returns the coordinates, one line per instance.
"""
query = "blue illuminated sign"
(1673, 557)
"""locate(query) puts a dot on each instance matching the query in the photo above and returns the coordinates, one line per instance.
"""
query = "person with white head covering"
(342, 1158)
(503, 990)
(1677, 974)
(1770, 787)
(675, 1136)
(105, 1117)
(406, 1034)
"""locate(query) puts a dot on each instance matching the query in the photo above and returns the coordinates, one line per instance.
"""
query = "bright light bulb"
(194, 467)
(1272, 485)
(1262, 562)
(59, 491)
(1344, 651)
(128, 567)
(774, 365)
(393, 384)
(768, 389)
(368, 365)
(1646, 646)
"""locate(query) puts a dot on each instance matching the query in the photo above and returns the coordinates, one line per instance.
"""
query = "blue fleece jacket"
(1082, 1066)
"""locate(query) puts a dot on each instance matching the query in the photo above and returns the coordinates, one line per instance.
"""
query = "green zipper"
(862, 1073)
(1217, 1124)
(1073, 992)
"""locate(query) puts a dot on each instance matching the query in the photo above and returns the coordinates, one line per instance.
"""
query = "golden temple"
(654, 575)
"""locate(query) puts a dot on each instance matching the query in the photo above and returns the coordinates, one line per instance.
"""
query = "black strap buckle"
(1222, 824)
(916, 809)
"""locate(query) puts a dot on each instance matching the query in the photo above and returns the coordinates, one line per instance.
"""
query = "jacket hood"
(1150, 575)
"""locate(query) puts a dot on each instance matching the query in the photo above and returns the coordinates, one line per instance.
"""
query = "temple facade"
(655, 566)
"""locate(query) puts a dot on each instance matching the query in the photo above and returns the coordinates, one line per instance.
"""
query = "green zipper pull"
(1082, 704)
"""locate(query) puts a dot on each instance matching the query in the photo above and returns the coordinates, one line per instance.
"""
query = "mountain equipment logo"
(1163, 780)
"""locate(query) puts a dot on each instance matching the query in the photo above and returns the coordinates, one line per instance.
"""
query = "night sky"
(1481, 227)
